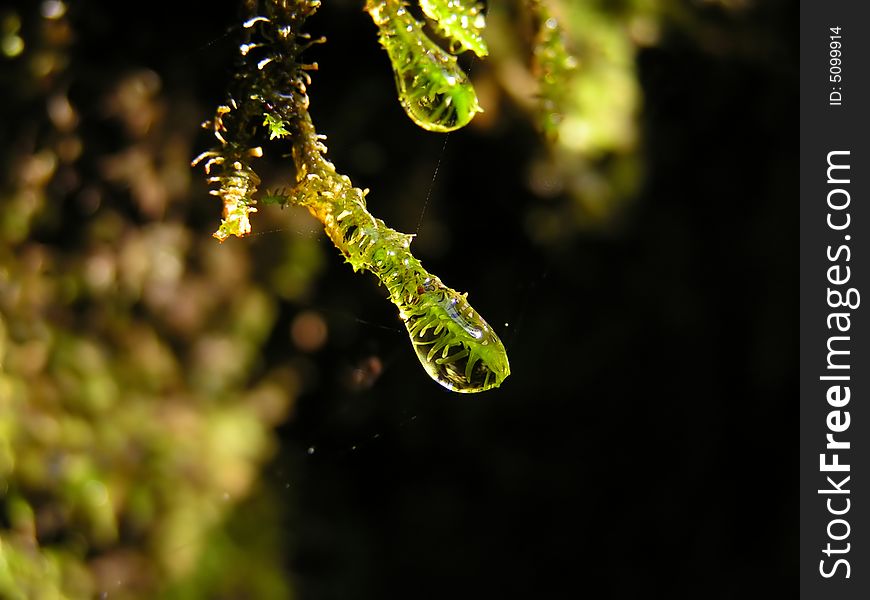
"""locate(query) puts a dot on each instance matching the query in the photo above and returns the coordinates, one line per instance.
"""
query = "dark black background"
(644, 444)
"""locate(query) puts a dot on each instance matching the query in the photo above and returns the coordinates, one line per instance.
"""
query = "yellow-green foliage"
(581, 89)
(455, 345)
(460, 21)
(130, 426)
(135, 408)
(434, 91)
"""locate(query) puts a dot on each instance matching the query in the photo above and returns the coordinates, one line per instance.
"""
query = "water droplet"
(437, 96)
(435, 93)
(454, 344)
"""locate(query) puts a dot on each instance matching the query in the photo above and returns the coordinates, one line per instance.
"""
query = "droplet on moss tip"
(455, 345)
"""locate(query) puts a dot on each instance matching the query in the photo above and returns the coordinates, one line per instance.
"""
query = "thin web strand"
(432, 184)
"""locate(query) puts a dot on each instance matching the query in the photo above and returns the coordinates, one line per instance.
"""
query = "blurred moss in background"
(157, 388)
(135, 405)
